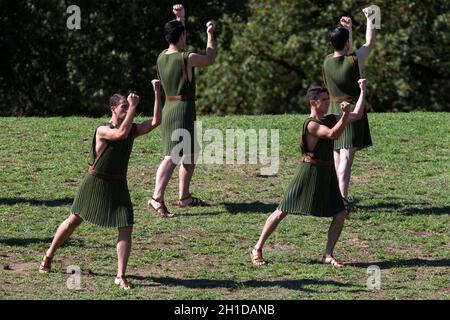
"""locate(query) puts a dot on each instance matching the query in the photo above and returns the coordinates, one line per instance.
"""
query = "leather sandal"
(196, 202)
(46, 264)
(257, 259)
(162, 210)
(332, 261)
(122, 282)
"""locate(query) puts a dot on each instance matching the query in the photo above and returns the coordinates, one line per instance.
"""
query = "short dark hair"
(173, 30)
(116, 97)
(314, 91)
(339, 37)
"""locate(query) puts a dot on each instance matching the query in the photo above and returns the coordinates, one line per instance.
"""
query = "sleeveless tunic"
(340, 76)
(178, 116)
(104, 199)
(314, 190)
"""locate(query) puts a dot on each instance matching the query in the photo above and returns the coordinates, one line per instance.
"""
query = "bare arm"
(323, 132)
(178, 11)
(149, 125)
(358, 112)
(106, 133)
(347, 23)
(363, 52)
(207, 59)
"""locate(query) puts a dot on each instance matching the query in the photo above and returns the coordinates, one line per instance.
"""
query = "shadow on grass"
(397, 263)
(36, 202)
(411, 208)
(299, 285)
(252, 207)
(24, 242)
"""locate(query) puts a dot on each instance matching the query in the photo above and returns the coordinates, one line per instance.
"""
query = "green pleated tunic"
(314, 190)
(341, 75)
(177, 116)
(102, 201)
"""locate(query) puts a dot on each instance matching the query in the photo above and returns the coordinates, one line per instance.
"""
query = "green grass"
(401, 184)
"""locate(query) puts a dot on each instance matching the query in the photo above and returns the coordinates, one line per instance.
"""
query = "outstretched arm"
(149, 125)
(207, 59)
(363, 52)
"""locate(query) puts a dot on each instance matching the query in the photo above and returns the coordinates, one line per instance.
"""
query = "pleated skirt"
(356, 134)
(314, 191)
(104, 203)
(177, 128)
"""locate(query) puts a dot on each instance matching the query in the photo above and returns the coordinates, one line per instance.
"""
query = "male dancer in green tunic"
(103, 197)
(176, 71)
(314, 189)
(341, 71)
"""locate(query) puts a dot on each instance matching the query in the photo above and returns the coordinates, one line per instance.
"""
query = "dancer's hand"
(362, 84)
(368, 13)
(156, 85)
(347, 23)
(178, 11)
(133, 100)
(210, 26)
(345, 107)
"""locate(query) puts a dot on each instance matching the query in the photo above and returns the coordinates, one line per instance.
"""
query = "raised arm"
(324, 132)
(347, 23)
(149, 125)
(358, 112)
(122, 132)
(363, 52)
(179, 12)
(207, 59)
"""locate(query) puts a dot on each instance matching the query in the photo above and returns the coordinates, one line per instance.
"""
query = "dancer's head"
(339, 39)
(118, 105)
(174, 32)
(318, 99)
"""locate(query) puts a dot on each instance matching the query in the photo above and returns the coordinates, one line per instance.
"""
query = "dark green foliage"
(269, 53)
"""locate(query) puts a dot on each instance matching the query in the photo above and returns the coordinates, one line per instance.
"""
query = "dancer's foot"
(122, 282)
(45, 264)
(327, 259)
(257, 257)
(160, 208)
(191, 201)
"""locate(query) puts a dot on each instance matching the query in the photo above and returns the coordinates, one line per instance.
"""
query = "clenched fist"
(133, 99)
(210, 26)
(178, 11)
(345, 106)
(156, 85)
(362, 84)
(347, 23)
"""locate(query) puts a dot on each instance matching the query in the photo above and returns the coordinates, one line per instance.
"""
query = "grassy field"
(401, 185)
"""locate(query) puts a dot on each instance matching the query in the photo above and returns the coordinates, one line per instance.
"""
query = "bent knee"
(74, 220)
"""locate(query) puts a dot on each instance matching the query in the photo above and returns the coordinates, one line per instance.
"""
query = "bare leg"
(344, 170)
(64, 231)
(337, 158)
(163, 175)
(336, 226)
(123, 254)
(271, 224)
(185, 177)
(123, 249)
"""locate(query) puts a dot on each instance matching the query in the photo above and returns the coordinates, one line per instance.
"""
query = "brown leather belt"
(106, 176)
(317, 162)
(340, 99)
(179, 98)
